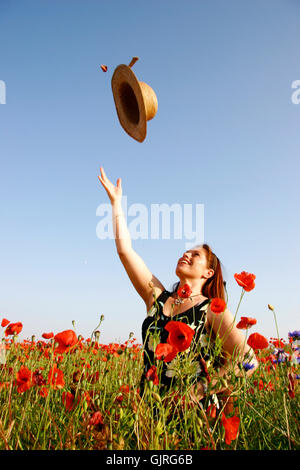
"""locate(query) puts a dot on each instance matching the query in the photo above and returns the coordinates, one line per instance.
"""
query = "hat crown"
(135, 101)
(150, 100)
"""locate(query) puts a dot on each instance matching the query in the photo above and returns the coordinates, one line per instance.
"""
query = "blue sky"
(226, 135)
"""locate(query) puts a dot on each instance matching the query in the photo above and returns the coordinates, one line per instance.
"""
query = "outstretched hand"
(114, 192)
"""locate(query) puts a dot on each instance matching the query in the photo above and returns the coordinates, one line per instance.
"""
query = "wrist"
(116, 202)
(116, 208)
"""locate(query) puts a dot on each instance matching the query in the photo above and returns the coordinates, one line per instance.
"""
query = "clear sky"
(226, 135)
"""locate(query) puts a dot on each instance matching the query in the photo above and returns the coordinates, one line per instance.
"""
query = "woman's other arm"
(236, 351)
(232, 339)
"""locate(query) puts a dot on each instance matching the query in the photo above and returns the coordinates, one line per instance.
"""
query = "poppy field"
(66, 392)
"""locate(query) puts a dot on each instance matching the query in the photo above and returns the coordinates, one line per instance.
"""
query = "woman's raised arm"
(137, 271)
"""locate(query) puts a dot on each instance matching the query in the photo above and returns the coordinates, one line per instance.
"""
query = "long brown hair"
(215, 286)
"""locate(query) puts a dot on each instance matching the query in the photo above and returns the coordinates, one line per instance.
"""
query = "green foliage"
(105, 379)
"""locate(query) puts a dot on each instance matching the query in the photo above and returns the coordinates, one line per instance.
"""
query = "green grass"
(269, 416)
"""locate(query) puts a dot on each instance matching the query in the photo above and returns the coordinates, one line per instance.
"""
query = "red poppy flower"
(103, 67)
(211, 411)
(68, 400)
(152, 375)
(291, 385)
(4, 322)
(96, 419)
(37, 378)
(263, 385)
(180, 335)
(257, 341)
(184, 292)
(165, 351)
(14, 328)
(23, 379)
(43, 392)
(119, 399)
(56, 378)
(278, 343)
(205, 369)
(231, 426)
(86, 398)
(217, 306)
(66, 339)
(245, 323)
(4, 385)
(47, 335)
(245, 280)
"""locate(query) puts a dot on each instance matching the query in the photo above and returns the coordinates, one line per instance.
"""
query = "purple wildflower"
(247, 366)
(294, 335)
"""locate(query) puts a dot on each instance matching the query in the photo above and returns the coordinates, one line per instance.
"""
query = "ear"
(209, 273)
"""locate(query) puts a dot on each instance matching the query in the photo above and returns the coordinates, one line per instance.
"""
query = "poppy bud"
(85, 405)
(150, 384)
(224, 382)
(159, 428)
(270, 307)
(199, 423)
(156, 397)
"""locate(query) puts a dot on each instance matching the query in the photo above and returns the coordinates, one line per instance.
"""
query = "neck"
(196, 286)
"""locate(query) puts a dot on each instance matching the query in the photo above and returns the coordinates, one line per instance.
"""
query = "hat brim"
(129, 102)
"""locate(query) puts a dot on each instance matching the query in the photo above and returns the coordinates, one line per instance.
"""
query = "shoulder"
(224, 325)
(157, 294)
(203, 305)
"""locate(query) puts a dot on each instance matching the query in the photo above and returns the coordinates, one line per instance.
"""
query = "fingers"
(105, 186)
(103, 174)
(104, 177)
(105, 181)
(101, 180)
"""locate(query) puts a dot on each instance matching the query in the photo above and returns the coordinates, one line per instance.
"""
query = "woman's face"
(193, 264)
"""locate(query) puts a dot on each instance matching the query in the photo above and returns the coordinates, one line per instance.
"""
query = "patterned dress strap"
(158, 303)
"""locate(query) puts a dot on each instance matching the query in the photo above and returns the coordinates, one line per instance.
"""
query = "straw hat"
(135, 101)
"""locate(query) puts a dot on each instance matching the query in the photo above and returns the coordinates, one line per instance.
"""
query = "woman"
(200, 269)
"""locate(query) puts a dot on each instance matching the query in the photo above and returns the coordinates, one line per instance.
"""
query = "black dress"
(154, 332)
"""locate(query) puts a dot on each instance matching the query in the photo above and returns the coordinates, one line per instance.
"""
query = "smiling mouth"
(183, 262)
